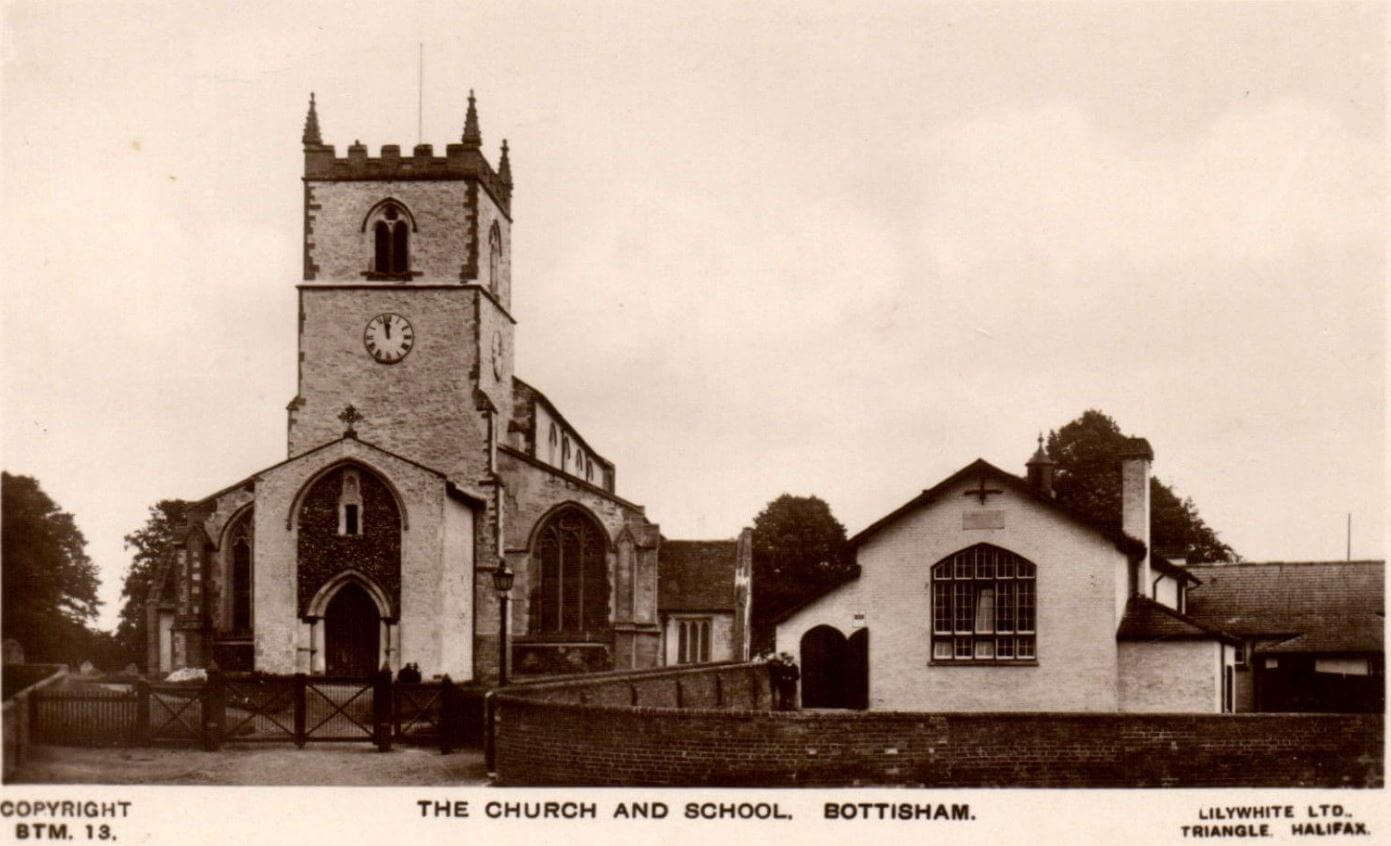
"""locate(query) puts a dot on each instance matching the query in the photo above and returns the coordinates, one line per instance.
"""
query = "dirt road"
(322, 764)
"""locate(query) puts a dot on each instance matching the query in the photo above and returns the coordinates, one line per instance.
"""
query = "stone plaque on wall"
(983, 520)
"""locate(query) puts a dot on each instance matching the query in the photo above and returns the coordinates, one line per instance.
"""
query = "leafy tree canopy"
(798, 550)
(1087, 479)
(150, 543)
(50, 585)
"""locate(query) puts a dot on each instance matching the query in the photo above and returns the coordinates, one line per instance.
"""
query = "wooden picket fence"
(298, 709)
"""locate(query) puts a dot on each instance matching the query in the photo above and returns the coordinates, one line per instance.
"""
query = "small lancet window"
(391, 236)
(554, 440)
(350, 505)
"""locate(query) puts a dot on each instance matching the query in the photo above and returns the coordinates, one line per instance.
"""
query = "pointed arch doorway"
(352, 633)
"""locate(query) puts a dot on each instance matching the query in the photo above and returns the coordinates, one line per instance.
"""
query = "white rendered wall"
(1171, 676)
(1076, 610)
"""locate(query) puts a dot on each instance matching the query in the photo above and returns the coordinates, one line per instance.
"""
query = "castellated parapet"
(460, 161)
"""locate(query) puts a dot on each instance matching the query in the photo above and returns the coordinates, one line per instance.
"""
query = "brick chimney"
(1136, 457)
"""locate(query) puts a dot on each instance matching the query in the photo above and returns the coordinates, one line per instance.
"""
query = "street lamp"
(502, 580)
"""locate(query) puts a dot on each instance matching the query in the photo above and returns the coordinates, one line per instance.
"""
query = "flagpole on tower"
(420, 99)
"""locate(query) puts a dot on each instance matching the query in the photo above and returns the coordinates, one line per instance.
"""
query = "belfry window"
(390, 225)
(495, 260)
(554, 440)
(983, 606)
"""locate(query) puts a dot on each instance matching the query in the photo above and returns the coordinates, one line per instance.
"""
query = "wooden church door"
(352, 629)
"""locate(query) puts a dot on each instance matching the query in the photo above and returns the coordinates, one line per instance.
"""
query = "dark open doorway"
(352, 628)
(835, 671)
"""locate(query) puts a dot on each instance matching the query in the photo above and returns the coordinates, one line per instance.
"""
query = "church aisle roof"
(696, 575)
(1146, 620)
(1319, 606)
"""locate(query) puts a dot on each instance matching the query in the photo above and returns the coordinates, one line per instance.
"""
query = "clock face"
(388, 338)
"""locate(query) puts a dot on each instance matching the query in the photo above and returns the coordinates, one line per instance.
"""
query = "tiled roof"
(696, 575)
(1317, 606)
(1147, 620)
(1163, 565)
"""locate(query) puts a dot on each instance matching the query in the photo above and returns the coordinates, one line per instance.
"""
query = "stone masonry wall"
(340, 249)
(420, 407)
(552, 737)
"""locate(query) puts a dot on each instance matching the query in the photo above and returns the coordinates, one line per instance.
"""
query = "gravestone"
(14, 651)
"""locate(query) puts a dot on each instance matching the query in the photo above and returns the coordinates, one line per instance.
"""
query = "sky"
(831, 249)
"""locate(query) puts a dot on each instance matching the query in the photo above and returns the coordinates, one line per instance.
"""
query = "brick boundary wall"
(575, 733)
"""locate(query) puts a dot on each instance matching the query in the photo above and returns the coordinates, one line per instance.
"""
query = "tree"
(798, 551)
(50, 585)
(151, 543)
(1087, 480)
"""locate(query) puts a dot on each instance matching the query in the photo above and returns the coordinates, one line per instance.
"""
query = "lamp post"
(502, 580)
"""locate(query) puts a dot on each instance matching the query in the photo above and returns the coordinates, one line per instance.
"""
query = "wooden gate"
(340, 710)
(170, 713)
(253, 708)
(259, 709)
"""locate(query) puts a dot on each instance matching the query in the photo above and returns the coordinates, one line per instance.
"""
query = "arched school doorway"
(835, 670)
(352, 632)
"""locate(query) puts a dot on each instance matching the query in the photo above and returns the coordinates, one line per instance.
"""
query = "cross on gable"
(982, 491)
(349, 416)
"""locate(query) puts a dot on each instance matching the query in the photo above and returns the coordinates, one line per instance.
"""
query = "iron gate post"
(214, 707)
(449, 714)
(141, 733)
(301, 690)
(381, 709)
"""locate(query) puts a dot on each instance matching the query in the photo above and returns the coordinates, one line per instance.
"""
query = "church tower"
(404, 302)
(422, 474)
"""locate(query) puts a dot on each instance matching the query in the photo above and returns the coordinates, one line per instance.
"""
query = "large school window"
(983, 607)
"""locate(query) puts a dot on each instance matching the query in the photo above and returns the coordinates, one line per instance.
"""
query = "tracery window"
(983, 606)
(573, 595)
(241, 578)
(391, 240)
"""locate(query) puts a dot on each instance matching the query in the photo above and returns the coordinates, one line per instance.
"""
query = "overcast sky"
(758, 248)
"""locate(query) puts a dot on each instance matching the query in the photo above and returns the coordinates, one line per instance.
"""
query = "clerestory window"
(983, 607)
